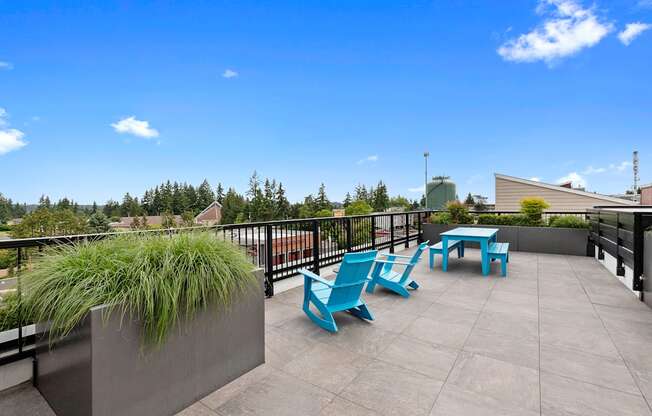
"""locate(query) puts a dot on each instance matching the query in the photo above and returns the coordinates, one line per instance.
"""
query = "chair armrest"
(395, 255)
(393, 262)
(307, 273)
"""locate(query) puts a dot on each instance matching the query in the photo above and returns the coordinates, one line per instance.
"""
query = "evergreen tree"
(281, 204)
(347, 200)
(98, 223)
(361, 193)
(255, 195)
(267, 208)
(111, 209)
(205, 196)
(6, 209)
(166, 200)
(233, 205)
(322, 202)
(469, 200)
(44, 202)
(380, 198)
(130, 206)
(219, 193)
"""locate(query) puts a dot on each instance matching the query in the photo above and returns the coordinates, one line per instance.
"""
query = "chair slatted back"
(413, 261)
(351, 277)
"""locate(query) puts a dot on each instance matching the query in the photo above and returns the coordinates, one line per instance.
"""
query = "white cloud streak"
(567, 29)
(418, 189)
(10, 139)
(611, 168)
(230, 73)
(6, 65)
(372, 158)
(135, 127)
(632, 31)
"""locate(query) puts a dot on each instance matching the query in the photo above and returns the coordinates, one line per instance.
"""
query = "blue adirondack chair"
(398, 282)
(342, 294)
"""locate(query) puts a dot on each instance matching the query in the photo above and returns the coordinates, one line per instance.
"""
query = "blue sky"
(101, 98)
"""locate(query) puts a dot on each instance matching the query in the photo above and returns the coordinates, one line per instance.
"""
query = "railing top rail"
(67, 239)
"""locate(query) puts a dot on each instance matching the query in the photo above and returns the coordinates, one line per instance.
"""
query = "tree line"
(264, 200)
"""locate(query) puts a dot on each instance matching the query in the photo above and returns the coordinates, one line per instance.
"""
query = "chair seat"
(392, 276)
(498, 249)
(451, 244)
(321, 291)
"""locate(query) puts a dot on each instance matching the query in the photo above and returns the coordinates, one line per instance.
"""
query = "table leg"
(444, 253)
(484, 250)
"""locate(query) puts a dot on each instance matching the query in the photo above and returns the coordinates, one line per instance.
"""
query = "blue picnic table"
(480, 235)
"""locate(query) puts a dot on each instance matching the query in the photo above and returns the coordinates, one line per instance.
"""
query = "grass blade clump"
(158, 279)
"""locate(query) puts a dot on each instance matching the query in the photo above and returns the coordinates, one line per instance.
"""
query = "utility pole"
(426, 154)
(635, 168)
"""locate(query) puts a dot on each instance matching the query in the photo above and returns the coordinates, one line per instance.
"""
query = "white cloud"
(621, 167)
(6, 65)
(566, 30)
(372, 158)
(632, 31)
(230, 73)
(591, 170)
(612, 167)
(575, 178)
(535, 179)
(130, 125)
(10, 139)
(418, 189)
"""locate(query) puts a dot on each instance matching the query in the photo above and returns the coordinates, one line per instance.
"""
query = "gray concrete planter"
(571, 241)
(101, 370)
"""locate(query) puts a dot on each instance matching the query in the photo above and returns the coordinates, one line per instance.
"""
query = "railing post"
(407, 230)
(419, 233)
(349, 237)
(315, 246)
(269, 262)
(391, 233)
(19, 261)
(373, 233)
(639, 247)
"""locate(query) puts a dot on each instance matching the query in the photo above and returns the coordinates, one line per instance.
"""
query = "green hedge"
(568, 221)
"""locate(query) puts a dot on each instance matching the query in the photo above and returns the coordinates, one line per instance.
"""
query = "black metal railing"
(619, 231)
(281, 248)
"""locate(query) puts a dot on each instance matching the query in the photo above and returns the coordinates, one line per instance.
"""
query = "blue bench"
(500, 251)
(438, 249)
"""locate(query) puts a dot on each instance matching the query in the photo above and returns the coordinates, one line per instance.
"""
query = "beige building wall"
(509, 194)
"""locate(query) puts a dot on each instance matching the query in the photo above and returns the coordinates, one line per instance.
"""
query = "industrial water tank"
(440, 191)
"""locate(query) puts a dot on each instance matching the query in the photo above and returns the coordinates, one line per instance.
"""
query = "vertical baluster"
(19, 261)
(391, 233)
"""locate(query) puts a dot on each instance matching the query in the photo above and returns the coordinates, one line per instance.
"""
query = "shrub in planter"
(459, 213)
(493, 219)
(157, 279)
(568, 221)
(532, 208)
(440, 218)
